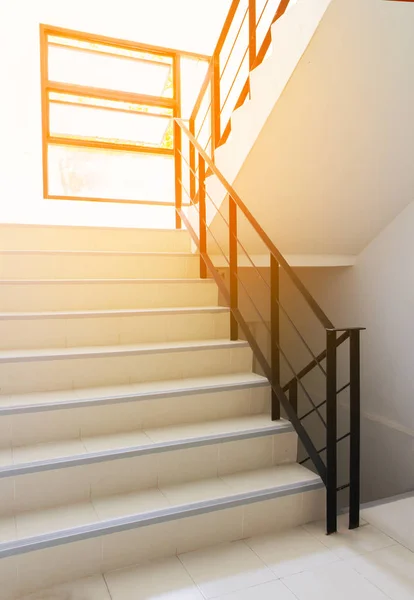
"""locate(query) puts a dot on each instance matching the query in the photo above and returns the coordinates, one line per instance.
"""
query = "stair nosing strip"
(95, 227)
(115, 352)
(134, 451)
(100, 253)
(111, 280)
(79, 403)
(121, 313)
(120, 524)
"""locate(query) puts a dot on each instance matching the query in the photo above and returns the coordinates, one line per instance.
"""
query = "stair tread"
(128, 392)
(138, 441)
(35, 251)
(85, 280)
(119, 312)
(104, 514)
(119, 350)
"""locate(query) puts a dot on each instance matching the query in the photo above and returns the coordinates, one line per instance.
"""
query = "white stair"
(131, 427)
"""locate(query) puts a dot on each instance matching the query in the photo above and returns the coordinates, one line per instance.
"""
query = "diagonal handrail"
(286, 395)
(276, 388)
(256, 57)
(316, 309)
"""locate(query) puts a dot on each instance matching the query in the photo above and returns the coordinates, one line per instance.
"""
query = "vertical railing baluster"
(215, 103)
(355, 428)
(274, 332)
(252, 33)
(177, 139)
(331, 433)
(293, 394)
(202, 215)
(234, 293)
(192, 161)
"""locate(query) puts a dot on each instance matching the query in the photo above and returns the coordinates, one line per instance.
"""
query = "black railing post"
(293, 394)
(202, 215)
(355, 428)
(234, 294)
(274, 332)
(252, 33)
(331, 433)
(177, 140)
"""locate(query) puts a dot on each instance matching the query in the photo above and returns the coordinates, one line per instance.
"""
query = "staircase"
(131, 427)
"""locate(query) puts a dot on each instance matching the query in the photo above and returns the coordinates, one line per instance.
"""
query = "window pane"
(193, 73)
(96, 69)
(84, 122)
(93, 173)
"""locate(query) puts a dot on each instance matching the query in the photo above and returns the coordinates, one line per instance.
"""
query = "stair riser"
(111, 331)
(78, 266)
(65, 424)
(34, 297)
(56, 487)
(15, 237)
(66, 374)
(29, 572)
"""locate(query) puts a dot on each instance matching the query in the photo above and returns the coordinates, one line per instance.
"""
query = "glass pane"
(97, 69)
(108, 124)
(87, 172)
(101, 102)
(193, 73)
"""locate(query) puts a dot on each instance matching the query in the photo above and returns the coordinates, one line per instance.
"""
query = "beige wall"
(332, 166)
(377, 293)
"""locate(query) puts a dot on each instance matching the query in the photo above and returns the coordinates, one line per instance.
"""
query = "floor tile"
(350, 542)
(8, 578)
(268, 478)
(390, 569)
(111, 507)
(181, 432)
(6, 457)
(190, 464)
(245, 455)
(395, 519)
(53, 566)
(156, 580)
(337, 581)
(39, 398)
(133, 546)
(273, 590)
(7, 529)
(100, 443)
(277, 514)
(225, 568)
(291, 552)
(38, 452)
(207, 529)
(89, 588)
(196, 491)
(63, 517)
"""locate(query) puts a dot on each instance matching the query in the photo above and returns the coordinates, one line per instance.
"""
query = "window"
(107, 116)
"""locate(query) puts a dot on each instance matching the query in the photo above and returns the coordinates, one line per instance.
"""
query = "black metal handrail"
(220, 130)
(285, 396)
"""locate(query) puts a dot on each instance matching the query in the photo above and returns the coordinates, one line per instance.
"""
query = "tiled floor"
(395, 517)
(300, 564)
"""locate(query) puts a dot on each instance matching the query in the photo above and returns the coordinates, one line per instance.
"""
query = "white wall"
(185, 24)
(332, 165)
(378, 293)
